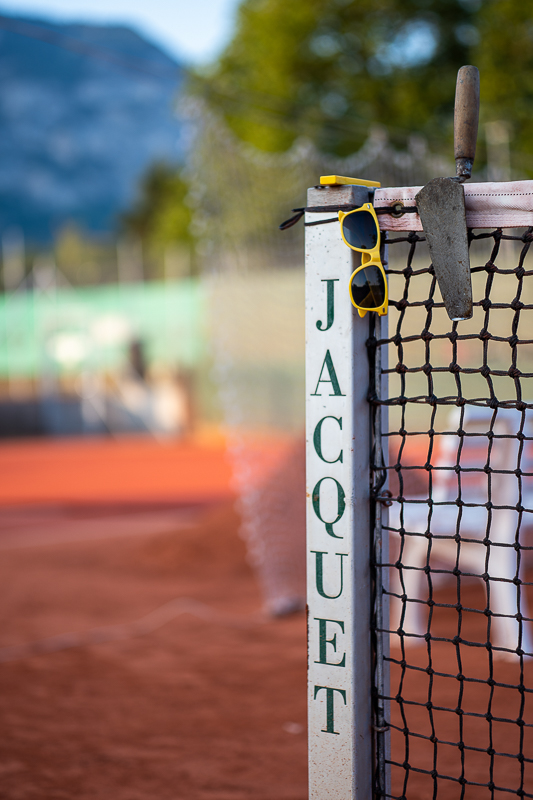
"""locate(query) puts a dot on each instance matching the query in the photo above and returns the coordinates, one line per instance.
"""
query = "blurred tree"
(505, 58)
(161, 217)
(326, 69)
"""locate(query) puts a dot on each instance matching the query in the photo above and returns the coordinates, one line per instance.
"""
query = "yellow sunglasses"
(368, 284)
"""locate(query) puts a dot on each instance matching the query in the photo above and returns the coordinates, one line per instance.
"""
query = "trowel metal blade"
(441, 206)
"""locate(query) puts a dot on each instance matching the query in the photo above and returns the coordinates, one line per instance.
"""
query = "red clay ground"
(210, 705)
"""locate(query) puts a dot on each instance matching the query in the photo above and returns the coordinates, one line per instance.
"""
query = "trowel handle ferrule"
(466, 120)
(463, 168)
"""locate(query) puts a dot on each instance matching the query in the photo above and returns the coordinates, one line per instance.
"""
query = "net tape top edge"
(507, 204)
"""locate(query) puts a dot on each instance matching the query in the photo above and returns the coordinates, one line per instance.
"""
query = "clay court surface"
(135, 662)
(208, 701)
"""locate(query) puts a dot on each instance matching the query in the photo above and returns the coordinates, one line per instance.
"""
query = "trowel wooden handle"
(466, 120)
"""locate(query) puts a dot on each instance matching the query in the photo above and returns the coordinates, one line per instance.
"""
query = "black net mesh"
(455, 558)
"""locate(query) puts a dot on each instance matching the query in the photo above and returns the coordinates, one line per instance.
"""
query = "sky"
(194, 31)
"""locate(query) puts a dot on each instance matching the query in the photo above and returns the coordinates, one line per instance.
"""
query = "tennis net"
(454, 475)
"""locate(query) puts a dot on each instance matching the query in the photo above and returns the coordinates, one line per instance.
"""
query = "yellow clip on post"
(338, 180)
(368, 283)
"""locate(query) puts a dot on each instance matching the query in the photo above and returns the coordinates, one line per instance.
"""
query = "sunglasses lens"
(368, 287)
(360, 230)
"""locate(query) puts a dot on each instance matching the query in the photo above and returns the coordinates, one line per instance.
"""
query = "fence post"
(338, 513)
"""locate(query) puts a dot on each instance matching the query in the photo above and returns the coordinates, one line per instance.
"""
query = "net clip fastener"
(397, 209)
(381, 729)
(385, 498)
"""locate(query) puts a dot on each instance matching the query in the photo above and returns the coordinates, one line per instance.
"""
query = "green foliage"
(161, 220)
(505, 59)
(161, 216)
(326, 69)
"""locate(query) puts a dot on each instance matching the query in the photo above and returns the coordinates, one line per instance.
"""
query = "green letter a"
(328, 364)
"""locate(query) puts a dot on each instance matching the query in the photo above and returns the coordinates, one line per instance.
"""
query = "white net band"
(488, 205)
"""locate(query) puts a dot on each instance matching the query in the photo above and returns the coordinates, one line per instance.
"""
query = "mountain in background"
(84, 109)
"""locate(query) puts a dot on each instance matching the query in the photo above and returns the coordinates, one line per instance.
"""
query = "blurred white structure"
(473, 554)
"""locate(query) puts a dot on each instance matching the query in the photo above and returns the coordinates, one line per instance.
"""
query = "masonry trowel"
(441, 204)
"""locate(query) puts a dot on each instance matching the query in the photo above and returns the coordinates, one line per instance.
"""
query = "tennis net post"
(348, 739)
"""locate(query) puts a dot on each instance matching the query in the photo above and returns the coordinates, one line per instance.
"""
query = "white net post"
(339, 536)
